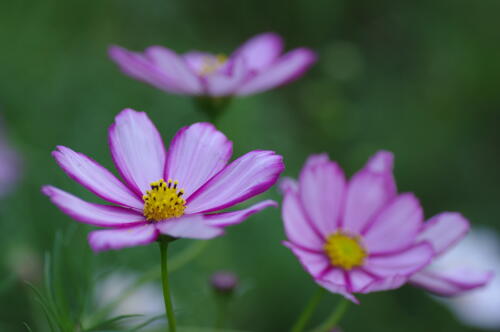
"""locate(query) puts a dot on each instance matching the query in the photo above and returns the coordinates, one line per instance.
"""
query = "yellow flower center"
(345, 251)
(212, 63)
(163, 201)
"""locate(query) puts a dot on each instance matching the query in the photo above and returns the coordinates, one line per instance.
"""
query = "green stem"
(306, 314)
(213, 107)
(166, 289)
(222, 312)
(334, 318)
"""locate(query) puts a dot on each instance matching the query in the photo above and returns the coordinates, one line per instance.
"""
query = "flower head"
(174, 192)
(355, 236)
(258, 65)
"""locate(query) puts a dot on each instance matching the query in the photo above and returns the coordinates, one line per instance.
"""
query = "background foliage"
(419, 78)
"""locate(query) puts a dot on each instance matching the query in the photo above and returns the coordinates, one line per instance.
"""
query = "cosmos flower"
(178, 192)
(356, 236)
(468, 265)
(451, 274)
(258, 65)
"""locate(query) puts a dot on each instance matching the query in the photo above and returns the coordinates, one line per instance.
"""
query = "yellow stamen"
(212, 63)
(163, 201)
(345, 251)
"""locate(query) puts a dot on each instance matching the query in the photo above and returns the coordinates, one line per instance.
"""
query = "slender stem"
(334, 318)
(166, 289)
(223, 305)
(306, 314)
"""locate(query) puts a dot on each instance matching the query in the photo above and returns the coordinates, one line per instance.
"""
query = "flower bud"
(224, 282)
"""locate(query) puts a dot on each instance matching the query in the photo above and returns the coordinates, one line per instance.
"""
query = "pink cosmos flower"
(258, 65)
(174, 192)
(447, 276)
(355, 236)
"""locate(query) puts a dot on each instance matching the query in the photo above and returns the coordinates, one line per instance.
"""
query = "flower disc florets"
(345, 251)
(163, 201)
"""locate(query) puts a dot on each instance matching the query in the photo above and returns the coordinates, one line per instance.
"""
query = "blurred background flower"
(145, 300)
(480, 250)
(256, 66)
(10, 162)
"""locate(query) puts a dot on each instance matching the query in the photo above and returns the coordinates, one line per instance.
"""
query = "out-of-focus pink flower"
(224, 282)
(356, 236)
(10, 164)
(478, 250)
(258, 65)
(174, 192)
(453, 270)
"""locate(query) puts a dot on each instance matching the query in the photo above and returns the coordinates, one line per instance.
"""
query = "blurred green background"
(419, 78)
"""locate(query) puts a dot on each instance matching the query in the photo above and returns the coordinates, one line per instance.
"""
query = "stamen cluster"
(212, 63)
(163, 201)
(345, 251)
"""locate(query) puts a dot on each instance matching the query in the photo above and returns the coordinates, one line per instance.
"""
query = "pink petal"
(444, 230)
(368, 192)
(359, 280)
(405, 262)
(260, 51)
(396, 227)
(89, 213)
(314, 262)
(235, 217)
(338, 289)
(196, 60)
(322, 190)
(336, 276)
(247, 176)
(137, 150)
(139, 67)
(384, 284)
(197, 153)
(122, 238)
(95, 178)
(174, 66)
(381, 162)
(451, 282)
(192, 227)
(284, 70)
(298, 228)
(225, 83)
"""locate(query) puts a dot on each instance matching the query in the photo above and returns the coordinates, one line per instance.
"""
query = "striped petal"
(260, 51)
(196, 154)
(93, 214)
(247, 176)
(235, 217)
(114, 239)
(137, 150)
(451, 282)
(322, 189)
(95, 178)
(284, 70)
(444, 230)
(192, 227)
